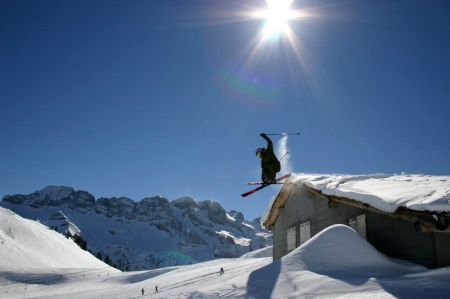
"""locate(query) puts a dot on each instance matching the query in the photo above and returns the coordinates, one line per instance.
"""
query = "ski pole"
(283, 156)
(282, 134)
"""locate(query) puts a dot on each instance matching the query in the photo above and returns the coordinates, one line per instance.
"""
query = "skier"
(156, 289)
(269, 162)
(221, 271)
(142, 291)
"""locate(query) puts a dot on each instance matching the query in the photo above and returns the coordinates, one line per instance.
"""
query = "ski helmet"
(260, 151)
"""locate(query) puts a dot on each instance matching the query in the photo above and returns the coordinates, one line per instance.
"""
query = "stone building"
(403, 216)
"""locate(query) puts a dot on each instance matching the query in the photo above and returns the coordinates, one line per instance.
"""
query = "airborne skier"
(269, 166)
(269, 162)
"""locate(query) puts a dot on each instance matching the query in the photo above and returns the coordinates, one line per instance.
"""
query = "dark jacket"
(269, 162)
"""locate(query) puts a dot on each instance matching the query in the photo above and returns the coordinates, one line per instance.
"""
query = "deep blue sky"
(138, 98)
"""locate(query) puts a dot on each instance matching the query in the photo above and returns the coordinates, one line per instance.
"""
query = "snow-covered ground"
(337, 262)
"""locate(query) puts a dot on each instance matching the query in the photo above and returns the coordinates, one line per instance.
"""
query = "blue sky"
(138, 98)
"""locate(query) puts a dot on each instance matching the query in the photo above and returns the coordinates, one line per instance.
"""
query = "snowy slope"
(336, 263)
(27, 244)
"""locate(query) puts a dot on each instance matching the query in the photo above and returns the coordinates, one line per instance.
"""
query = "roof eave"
(425, 221)
(278, 203)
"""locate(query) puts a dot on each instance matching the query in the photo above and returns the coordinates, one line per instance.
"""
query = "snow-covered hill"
(26, 245)
(146, 234)
(336, 263)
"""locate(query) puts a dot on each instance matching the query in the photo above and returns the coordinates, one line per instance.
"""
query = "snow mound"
(27, 244)
(337, 248)
(263, 252)
(338, 263)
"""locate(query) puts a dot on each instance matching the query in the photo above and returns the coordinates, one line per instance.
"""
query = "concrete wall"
(393, 237)
(442, 242)
(305, 206)
(397, 238)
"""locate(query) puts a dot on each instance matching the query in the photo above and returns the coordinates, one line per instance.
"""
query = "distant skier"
(156, 289)
(269, 162)
(221, 271)
(142, 291)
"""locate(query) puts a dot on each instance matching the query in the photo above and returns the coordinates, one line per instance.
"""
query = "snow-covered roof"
(385, 192)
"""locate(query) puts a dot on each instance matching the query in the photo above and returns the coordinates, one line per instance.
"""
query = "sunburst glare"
(276, 16)
(279, 31)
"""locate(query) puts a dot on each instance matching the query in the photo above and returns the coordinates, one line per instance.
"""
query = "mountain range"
(147, 234)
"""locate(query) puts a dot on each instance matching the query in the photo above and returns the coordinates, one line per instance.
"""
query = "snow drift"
(338, 248)
(337, 262)
(260, 253)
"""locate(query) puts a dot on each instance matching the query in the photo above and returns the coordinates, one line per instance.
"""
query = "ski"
(265, 185)
(277, 181)
(261, 183)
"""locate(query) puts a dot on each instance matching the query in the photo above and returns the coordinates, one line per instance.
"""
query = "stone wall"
(393, 237)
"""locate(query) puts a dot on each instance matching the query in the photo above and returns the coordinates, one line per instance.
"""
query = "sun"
(277, 16)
